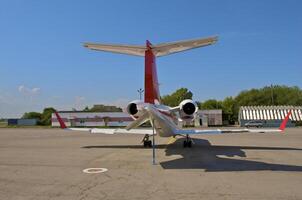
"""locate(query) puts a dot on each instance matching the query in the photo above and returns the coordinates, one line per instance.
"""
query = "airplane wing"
(139, 121)
(122, 131)
(105, 130)
(159, 49)
(221, 131)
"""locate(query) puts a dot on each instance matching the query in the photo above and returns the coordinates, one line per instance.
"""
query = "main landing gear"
(187, 142)
(147, 141)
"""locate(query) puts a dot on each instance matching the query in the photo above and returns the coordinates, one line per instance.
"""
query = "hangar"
(270, 116)
(91, 119)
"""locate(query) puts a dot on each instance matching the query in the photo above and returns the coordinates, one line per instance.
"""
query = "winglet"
(284, 122)
(62, 124)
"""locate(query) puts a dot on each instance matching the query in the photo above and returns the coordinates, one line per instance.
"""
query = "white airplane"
(164, 119)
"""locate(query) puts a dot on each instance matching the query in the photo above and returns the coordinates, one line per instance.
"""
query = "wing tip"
(61, 122)
(284, 122)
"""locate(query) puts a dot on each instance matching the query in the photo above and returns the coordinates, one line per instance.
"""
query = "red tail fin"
(62, 124)
(284, 122)
(151, 82)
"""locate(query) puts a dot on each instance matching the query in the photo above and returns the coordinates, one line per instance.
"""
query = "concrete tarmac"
(47, 164)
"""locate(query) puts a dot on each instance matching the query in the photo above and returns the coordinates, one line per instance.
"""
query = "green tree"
(32, 115)
(42, 118)
(176, 97)
(104, 108)
(270, 95)
(210, 104)
(86, 109)
(46, 116)
(228, 110)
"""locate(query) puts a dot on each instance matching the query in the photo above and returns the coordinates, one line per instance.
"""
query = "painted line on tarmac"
(94, 170)
(172, 140)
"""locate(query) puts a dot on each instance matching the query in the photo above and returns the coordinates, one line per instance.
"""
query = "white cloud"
(28, 91)
(35, 90)
(79, 102)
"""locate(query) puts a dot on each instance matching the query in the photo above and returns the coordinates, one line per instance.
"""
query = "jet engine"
(134, 108)
(188, 108)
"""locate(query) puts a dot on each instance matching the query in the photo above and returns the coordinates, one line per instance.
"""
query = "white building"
(269, 115)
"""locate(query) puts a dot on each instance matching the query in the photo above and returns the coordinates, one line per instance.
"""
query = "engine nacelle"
(188, 108)
(134, 108)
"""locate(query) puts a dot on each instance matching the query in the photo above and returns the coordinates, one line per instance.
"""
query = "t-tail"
(151, 81)
(150, 52)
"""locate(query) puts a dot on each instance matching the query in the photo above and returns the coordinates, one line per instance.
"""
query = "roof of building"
(270, 112)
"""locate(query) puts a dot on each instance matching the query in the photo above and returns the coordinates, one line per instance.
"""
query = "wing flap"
(222, 131)
(122, 131)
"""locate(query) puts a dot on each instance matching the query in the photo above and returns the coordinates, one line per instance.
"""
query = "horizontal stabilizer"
(158, 50)
(174, 47)
(123, 49)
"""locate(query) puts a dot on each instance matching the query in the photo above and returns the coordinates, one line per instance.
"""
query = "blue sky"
(43, 63)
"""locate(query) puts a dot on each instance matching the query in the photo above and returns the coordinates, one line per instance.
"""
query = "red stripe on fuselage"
(151, 81)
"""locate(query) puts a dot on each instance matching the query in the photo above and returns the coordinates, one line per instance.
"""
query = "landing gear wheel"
(148, 143)
(187, 142)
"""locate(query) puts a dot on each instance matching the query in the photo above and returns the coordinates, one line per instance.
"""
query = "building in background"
(22, 122)
(92, 119)
(269, 116)
(207, 118)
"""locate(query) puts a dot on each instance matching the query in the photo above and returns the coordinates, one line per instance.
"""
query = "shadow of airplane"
(205, 156)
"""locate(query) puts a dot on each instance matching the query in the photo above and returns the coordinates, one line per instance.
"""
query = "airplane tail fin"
(284, 122)
(151, 81)
(150, 52)
(61, 122)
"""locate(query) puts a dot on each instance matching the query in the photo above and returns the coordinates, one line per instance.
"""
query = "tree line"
(43, 119)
